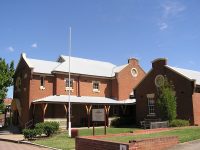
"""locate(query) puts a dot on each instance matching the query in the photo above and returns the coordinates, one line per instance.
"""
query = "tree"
(167, 101)
(6, 77)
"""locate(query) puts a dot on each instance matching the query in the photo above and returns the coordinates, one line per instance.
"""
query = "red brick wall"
(23, 94)
(36, 92)
(126, 82)
(95, 144)
(60, 85)
(183, 88)
(196, 106)
(86, 87)
(98, 144)
(155, 143)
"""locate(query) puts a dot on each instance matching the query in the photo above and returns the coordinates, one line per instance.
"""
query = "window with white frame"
(151, 104)
(69, 85)
(96, 86)
(42, 82)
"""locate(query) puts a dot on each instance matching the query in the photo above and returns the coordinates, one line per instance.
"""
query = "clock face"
(134, 72)
(159, 80)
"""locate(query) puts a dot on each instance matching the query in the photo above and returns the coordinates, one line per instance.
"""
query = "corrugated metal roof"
(78, 66)
(42, 66)
(83, 100)
(190, 74)
(86, 66)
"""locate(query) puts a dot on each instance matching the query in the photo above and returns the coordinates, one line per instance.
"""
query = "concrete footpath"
(192, 145)
(17, 138)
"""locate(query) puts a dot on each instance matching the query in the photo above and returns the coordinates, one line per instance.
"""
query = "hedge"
(47, 128)
(179, 123)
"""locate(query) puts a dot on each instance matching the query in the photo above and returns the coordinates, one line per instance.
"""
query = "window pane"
(96, 85)
(67, 83)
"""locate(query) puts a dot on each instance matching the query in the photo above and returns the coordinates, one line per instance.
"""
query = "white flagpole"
(69, 107)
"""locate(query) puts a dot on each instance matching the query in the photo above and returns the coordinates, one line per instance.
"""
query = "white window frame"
(95, 89)
(42, 87)
(67, 83)
(151, 104)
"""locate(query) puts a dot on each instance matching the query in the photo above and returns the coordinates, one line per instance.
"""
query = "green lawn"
(62, 141)
(184, 135)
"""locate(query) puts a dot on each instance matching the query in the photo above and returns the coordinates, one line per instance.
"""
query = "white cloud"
(170, 9)
(11, 49)
(163, 26)
(34, 45)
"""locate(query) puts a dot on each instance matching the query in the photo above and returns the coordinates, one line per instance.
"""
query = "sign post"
(99, 115)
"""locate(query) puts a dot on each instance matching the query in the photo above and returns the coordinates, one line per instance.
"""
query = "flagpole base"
(69, 129)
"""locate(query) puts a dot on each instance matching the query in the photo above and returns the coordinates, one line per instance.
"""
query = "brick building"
(187, 90)
(41, 89)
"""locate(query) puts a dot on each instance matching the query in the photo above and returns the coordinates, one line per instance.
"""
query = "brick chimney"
(133, 61)
(160, 62)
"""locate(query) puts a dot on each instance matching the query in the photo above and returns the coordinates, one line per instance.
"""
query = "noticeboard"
(98, 115)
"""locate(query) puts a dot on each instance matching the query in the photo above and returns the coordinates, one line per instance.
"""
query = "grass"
(61, 140)
(184, 135)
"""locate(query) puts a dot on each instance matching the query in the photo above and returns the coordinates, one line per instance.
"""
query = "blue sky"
(107, 30)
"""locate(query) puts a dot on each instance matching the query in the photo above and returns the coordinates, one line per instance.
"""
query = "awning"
(83, 100)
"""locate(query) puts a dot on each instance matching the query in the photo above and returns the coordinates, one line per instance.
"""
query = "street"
(14, 146)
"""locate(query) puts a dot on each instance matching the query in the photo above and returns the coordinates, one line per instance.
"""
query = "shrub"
(50, 128)
(167, 101)
(29, 133)
(179, 123)
(39, 131)
(40, 127)
(55, 125)
(47, 128)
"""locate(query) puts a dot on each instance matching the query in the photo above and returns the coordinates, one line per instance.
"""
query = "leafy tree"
(167, 101)
(6, 77)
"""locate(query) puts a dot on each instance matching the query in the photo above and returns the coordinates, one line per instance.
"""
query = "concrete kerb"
(39, 145)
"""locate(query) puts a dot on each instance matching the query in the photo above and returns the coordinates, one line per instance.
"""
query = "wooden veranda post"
(44, 110)
(107, 109)
(88, 109)
(66, 111)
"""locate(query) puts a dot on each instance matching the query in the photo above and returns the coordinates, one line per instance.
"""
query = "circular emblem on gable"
(134, 72)
(159, 80)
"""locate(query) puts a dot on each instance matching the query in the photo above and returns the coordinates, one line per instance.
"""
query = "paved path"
(15, 146)
(193, 145)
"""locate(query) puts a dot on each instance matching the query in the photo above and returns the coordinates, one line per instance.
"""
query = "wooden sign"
(98, 115)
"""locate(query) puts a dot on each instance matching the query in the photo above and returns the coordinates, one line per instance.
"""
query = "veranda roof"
(83, 100)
